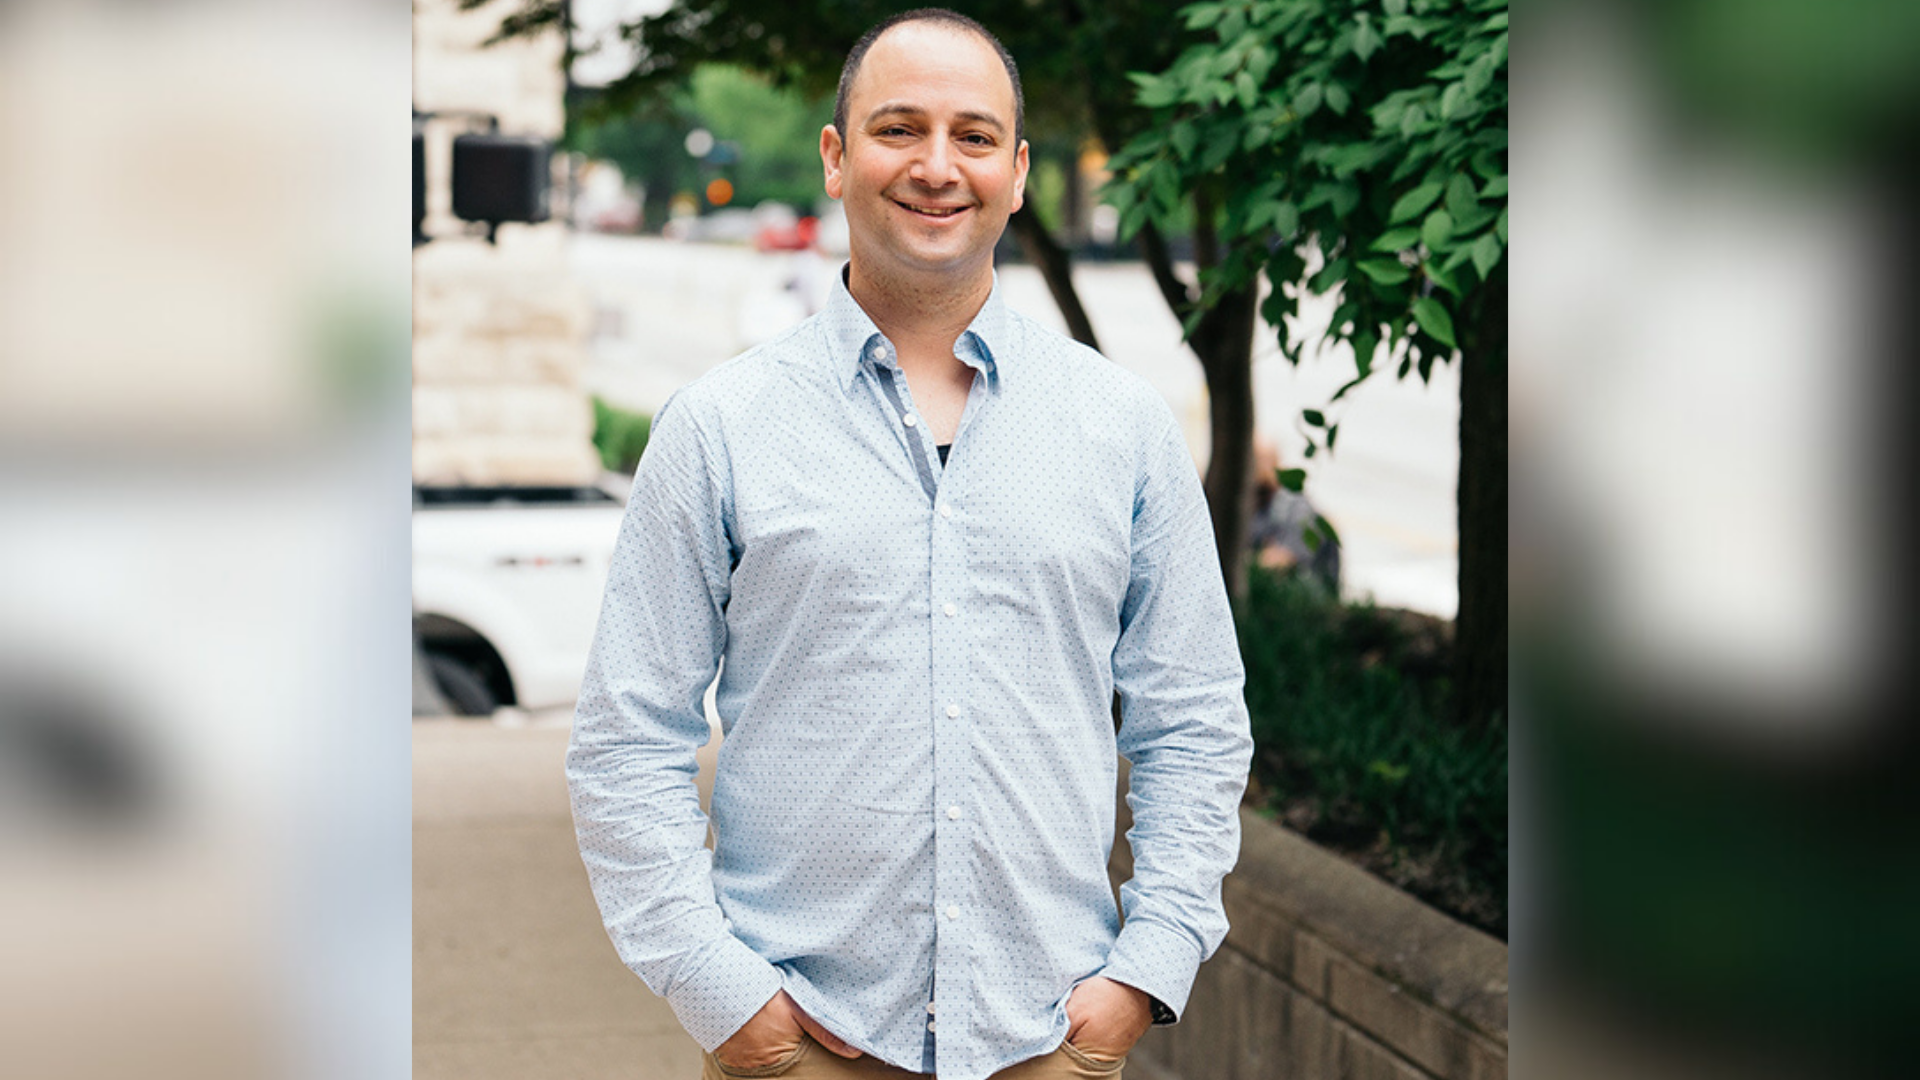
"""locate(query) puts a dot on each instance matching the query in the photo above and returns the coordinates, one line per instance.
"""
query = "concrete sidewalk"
(513, 975)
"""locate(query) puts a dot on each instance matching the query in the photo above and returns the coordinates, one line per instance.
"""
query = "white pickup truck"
(506, 590)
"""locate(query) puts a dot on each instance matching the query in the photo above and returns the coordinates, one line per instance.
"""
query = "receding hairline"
(951, 22)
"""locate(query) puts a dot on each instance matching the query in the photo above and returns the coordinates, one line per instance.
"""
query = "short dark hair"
(941, 16)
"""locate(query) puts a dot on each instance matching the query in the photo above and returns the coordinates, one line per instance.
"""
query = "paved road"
(666, 312)
(513, 975)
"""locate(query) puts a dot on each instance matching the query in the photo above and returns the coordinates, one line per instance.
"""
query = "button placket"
(953, 975)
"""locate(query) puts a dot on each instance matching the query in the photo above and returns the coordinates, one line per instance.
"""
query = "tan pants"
(815, 1062)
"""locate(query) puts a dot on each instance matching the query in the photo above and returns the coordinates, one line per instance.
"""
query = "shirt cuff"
(723, 992)
(1159, 961)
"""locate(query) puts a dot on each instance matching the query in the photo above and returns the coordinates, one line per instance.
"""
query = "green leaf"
(1219, 148)
(1201, 16)
(1384, 271)
(1450, 100)
(1286, 219)
(1434, 320)
(1496, 188)
(1364, 345)
(1321, 531)
(1330, 275)
(1314, 417)
(1292, 479)
(1157, 92)
(1395, 7)
(1414, 202)
(1366, 40)
(1332, 434)
(1165, 185)
(1486, 254)
(1338, 99)
(1397, 240)
(1307, 101)
(1391, 773)
(1248, 90)
(1436, 230)
(1441, 278)
(1475, 219)
(1461, 199)
(1500, 227)
(1183, 138)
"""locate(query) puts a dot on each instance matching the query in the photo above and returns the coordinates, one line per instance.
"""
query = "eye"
(977, 139)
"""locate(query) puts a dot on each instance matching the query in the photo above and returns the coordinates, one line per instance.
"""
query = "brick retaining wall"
(1327, 973)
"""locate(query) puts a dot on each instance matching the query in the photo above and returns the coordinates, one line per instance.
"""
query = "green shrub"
(1349, 713)
(619, 435)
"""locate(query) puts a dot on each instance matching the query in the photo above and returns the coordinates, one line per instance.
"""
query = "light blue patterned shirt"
(914, 804)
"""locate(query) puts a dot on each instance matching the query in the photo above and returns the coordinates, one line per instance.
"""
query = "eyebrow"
(904, 109)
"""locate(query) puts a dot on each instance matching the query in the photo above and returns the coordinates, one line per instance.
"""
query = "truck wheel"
(462, 685)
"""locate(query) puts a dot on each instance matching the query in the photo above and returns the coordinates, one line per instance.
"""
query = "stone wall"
(1327, 973)
(499, 330)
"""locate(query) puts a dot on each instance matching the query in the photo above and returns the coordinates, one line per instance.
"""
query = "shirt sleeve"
(631, 764)
(1183, 730)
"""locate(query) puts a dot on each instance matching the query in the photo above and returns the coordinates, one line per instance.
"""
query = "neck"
(914, 314)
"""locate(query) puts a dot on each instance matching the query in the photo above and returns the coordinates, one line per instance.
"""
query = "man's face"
(929, 171)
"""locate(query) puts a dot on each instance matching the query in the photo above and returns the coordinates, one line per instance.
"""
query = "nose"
(933, 167)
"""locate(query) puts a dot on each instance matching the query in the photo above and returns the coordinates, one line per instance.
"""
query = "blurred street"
(665, 312)
(513, 975)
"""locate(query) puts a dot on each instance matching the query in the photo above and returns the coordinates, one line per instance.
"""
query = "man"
(930, 540)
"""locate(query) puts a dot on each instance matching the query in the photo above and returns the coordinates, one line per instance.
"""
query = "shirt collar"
(852, 336)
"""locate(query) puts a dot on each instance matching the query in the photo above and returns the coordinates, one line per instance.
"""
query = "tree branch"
(1056, 266)
(1206, 242)
(1153, 247)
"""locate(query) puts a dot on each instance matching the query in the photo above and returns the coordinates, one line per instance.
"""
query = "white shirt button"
(953, 911)
(879, 352)
(953, 813)
(945, 510)
(929, 1008)
(930, 1026)
(953, 711)
(909, 420)
(950, 611)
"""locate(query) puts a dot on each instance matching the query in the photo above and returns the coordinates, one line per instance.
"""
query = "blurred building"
(499, 329)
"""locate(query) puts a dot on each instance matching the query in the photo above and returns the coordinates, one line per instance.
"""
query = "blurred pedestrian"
(1277, 532)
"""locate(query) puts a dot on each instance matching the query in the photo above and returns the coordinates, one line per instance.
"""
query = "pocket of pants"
(1087, 1061)
(757, 1072)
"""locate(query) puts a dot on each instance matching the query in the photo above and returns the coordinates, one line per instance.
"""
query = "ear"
(832, 158)
(1020, 175)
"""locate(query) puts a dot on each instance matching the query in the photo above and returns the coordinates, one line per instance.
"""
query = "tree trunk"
(1223, 340)
(1480, 629)
(1056, 266)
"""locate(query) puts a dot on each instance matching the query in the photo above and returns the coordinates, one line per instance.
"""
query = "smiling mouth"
(931, 211)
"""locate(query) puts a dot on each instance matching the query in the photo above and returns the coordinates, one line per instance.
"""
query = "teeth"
(936, 211)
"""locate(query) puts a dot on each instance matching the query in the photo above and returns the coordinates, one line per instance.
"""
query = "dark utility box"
(501, 178)
(419, 185)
